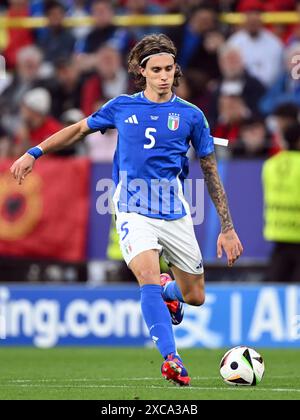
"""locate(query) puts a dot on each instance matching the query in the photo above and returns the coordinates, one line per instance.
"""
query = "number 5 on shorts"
(125, 230)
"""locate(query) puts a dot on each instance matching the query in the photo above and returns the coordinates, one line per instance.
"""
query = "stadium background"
(62, 280)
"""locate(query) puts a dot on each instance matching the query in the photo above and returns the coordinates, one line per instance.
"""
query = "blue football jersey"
(150, 162)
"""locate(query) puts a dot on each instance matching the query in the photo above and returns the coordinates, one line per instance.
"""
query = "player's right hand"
(22, 167)
(231, 244)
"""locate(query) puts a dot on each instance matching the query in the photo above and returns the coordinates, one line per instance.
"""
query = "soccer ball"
(242, 366)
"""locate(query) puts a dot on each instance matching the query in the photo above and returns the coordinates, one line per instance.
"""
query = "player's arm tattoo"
(216, 190)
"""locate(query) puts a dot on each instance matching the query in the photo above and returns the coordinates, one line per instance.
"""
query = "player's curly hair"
(150, 44)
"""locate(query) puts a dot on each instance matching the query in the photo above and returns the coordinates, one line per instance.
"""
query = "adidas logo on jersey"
(132, 120)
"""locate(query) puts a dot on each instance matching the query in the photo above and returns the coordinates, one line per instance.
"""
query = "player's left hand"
(231, 244)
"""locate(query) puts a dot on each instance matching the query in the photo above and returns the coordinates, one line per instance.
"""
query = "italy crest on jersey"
(173, 121)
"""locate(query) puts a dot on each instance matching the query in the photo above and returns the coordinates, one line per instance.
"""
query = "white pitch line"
(147, 378)
(99, 380)
(233, 388)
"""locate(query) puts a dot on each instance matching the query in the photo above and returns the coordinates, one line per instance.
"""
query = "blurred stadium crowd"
(243, 77)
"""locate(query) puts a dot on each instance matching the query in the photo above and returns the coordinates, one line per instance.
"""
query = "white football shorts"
(174, 239)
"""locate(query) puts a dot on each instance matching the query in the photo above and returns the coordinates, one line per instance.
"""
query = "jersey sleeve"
(104, 118)
(201, 138)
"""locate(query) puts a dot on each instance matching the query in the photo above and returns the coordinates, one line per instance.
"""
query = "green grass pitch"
(134, 373)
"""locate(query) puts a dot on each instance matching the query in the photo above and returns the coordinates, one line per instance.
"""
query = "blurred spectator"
(68, 89)
(185, 7)
(26, 76)
(110, 80)
(197, 42)
(5, 143)
(254, 140)
(104, 28)
(227, 5)
(79, 9)
(295, 30)
(5, 78)
(285, 88)
(37, 9)
(104, 31)
(270, 5)
(283, 116)
(36, 124)
(3, 5)
(183, 90)
(163, 4)
(58, 40)
(262, 51)
(232, 111)
(281, 184)
(193, 89)
(17, 37)
(141, 7)
(233, 73)
(72, 116)
(283, 31)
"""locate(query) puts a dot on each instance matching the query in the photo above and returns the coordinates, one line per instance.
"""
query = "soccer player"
(155, 131)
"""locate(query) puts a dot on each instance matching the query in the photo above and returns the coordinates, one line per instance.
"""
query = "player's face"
(159, 73)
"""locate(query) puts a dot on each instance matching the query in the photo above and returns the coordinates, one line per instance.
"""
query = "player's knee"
(195, 299)
(145, 275)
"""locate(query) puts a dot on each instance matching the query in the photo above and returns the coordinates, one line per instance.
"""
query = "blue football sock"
(157, 318)
(172, 292)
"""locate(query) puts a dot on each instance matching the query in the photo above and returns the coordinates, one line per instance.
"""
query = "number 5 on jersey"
(149, 136)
